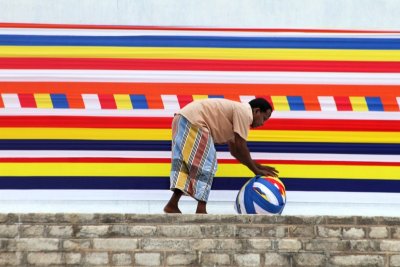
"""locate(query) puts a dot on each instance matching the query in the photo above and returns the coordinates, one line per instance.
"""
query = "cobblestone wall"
(197, 240)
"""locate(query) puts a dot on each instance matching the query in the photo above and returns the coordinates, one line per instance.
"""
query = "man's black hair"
(261, 103)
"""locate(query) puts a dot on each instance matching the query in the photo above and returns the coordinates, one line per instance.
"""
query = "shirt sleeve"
(241, 122)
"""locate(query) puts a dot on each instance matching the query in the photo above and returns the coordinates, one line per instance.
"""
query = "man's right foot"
(168, 209)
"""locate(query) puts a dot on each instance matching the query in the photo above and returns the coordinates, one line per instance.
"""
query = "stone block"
(357, 260)
(10, 258)
(309, 259)
(180, 231)
(96, 258)
(142, 230)
(37, 244)
(73, 258)
(8, 231)
(215, 259)
(60, 231)
(147, 259)
(121, 259)
(44, 259)
(246, 231)
(250, 259)
(219, 230)
(121, 244)
(258, 244)
(390, 245)
(378, 232)
(364, 245)
(292, 245)
(118, 230)
(301, 231)
(186, 259)
(396, 232)
(276, 231)
(76, 244)
(93, 231)
(326, 245)
(329, 232)
(340, 220)
(203, 244)
(31, 231)
(394, 260)
(165, 244)
(276, 259)
(353, 233)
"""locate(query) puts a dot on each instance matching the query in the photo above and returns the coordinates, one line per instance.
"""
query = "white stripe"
(11, 101)
(230, 77)
(328, 115)
(327, 103)
(246, 98)
(221, 155)
(121, 32)
(170, 102)
(91, 101)
(398, 101)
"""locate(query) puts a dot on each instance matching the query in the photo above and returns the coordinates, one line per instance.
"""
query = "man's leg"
(172, 205)
(201, 207)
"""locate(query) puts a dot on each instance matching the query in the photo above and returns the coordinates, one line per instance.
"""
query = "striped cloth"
(194, 159)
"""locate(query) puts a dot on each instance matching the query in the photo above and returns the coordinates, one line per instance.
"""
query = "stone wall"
(197, 240)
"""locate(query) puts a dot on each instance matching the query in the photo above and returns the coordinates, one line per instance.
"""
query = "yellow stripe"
(43, 101)
(224, 170)
(199, 53)
(165, 134)
(199, 97)
(358, 103)
(123, 101)
(280, 102)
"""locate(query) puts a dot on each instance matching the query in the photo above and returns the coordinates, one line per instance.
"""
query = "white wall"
(333, 14)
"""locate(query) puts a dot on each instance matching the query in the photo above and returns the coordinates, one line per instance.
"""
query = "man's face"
(259, 118)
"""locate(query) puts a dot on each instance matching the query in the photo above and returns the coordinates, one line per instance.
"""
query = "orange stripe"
(75, 100)
(154, 101)
(192, 89)
(389, 103)
(311, 103)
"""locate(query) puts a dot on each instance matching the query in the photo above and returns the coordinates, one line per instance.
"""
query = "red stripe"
(27, 100)
(184, 100)
(168, 160)
(165, 123)
(107, 101)
(343, 103)
(199, 64)
(88, 26)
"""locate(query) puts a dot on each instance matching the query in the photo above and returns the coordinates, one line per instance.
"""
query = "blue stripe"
(139, 102)
(59, 101)
(374, 103)
(215, 96)
(296, 103)
(278, 147)
(292, 184)
(203, 41)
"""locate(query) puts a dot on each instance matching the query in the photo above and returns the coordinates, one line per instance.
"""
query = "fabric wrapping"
(194, 159)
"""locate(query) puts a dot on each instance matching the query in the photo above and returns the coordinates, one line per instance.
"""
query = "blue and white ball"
(261, 195)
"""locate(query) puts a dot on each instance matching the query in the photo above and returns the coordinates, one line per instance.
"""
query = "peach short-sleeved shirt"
(222, 118)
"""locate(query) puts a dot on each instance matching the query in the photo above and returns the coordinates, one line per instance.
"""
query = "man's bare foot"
(168, 209)
(201, 212)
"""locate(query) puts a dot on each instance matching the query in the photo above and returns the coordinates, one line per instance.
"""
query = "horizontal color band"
(188, 32)
(154, 89)
(165, 134)
(165, 123)
(208, 77)
(200, 41)
(224, 170)
(199, 53)
(199, 64)
(125, 183)
(91, 26)
(166, 155)
(148, 113)
(272, 147)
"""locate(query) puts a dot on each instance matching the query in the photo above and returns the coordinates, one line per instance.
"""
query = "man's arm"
(240, 151)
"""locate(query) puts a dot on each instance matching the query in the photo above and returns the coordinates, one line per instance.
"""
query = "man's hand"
(267, 170)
